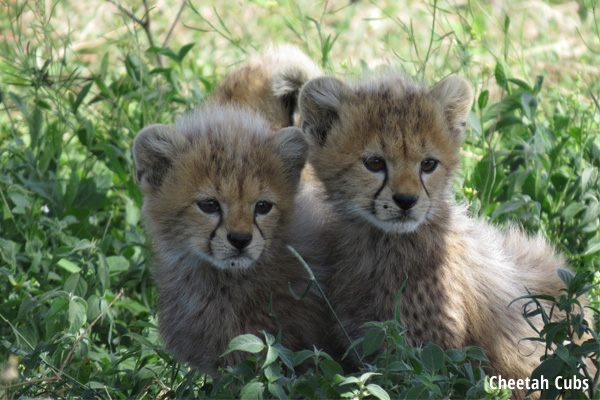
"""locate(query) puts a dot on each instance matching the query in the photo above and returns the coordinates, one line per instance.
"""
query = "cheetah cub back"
(386, 152)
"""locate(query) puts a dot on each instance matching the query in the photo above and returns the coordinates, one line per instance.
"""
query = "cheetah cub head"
(386, 150)
(218, 186)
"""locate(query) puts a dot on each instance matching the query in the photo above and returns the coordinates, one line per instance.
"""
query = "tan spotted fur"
(461, 273)
(230, 151)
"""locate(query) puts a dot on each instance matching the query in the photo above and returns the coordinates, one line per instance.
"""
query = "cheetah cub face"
(386, 150)
(218, 186)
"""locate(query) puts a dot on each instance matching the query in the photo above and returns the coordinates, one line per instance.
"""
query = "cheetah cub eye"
(374, 164)
(263, 207)
(209, 206)
(429, 165)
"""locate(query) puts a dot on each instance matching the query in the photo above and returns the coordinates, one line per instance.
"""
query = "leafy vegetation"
(78, 81)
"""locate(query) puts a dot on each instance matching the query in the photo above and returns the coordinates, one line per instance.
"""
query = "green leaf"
(565, 276)
(499, 74)
(286, 355)
(592, 247)
(432, 357)
(572, 210)
(476, 353)
(378, 391)
(529, 103)
(474, 123)
(247, 342)
(184, 50)
(132, 306)
(373, 340)
(252, 391)
(75, 284)
(84, 91)
(117, 264)
(271, 356)
(549, 369)
(483, 99)
(77, 313)
(455, 355)
(68, 266)
(302, 356)
(330, 368)
(277, 391)
(416, 392)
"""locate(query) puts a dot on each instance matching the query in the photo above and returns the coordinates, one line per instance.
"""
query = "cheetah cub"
(220, 197)
(386, 152)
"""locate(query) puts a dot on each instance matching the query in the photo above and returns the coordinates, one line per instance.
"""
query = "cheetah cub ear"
(455, 95)
(154, 149)
(320, 102)
(290, 145)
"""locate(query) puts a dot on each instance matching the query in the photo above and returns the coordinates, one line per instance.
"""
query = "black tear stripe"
(385, 179)
(404, 148)
(258, 227)
(423, 184)
(213, 234)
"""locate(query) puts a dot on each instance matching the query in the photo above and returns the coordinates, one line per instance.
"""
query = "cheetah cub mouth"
(233, 249)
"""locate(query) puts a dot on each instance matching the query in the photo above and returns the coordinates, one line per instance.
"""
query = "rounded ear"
(154, 149)
(290, 145)
(455, 95)
(320, 102)
(292, 69)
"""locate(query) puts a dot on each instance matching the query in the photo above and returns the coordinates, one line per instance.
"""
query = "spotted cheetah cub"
(221, 189)
(386, 152)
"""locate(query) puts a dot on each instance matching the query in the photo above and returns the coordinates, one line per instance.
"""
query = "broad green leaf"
(330, 368)
(373, 340)
(117, 264)
(302, 356)
(68, 266)
(378, 391)
(476, 353)
(572, 210)
(592, 247)
(76, 284)
(277, 391)
(132, 306)
(565, 276)
(432, 357)
(455, 355)
(77, 313)
(549, 369)
(271, 356)
(416, 392)
(252, 391)
(247, 342)
(286, 355)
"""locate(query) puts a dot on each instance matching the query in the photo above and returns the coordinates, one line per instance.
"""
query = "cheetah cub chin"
(219, 198)
(386, 152)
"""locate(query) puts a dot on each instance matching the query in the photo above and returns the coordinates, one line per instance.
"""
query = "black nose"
(405, 202)
(239, 240)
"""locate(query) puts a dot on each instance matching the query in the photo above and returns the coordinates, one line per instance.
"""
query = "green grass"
(79, 80)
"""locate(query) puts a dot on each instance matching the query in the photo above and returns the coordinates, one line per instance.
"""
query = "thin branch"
(183, 4)
(70, 355)
(144, 23)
